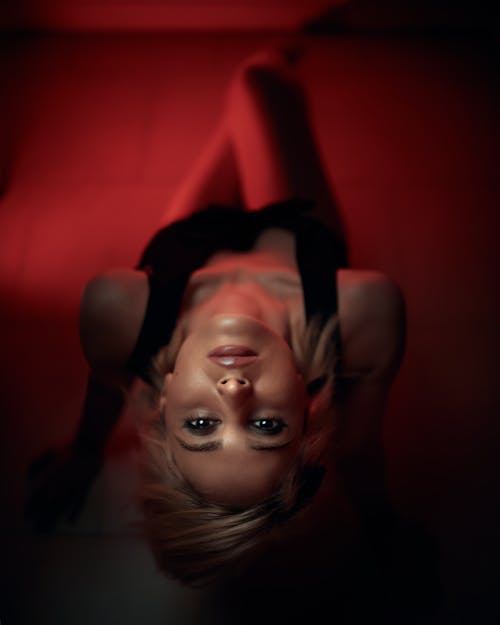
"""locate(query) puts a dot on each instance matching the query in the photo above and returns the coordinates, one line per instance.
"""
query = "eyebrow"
(214, 445)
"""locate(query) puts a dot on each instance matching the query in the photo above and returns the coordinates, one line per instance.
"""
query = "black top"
(177, 250)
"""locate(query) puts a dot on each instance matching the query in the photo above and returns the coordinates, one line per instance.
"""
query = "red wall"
(101, 128)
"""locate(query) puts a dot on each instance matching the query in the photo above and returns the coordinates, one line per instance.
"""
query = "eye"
(269, 426)
(201, 425)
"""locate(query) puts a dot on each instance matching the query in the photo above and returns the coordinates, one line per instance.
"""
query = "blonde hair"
(196, 541)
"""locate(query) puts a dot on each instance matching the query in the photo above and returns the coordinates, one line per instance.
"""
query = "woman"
(257, 339)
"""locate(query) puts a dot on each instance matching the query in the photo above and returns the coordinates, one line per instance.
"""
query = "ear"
(162, 413)
(162, 402)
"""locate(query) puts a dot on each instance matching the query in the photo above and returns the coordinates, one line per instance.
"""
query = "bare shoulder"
(372, 323)
(112, 309)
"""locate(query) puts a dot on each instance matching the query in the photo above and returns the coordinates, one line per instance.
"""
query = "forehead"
(243, 476)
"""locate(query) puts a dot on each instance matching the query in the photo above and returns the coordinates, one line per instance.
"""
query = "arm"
(359, 458)
(111, 314)
(373, 327)
(113, 305)
(403, 552)
(102, 407)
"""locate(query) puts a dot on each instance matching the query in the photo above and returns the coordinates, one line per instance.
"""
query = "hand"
(59, 482)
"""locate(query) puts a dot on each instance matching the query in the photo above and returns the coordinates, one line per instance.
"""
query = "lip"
(233, 356)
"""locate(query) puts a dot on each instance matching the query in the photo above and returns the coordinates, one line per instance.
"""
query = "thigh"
(274, 141)
(213, 179)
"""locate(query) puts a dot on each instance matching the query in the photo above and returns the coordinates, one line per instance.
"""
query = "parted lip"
(233, 356)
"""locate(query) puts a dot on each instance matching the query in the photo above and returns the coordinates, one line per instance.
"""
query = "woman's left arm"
(111, 314)
(373, 329)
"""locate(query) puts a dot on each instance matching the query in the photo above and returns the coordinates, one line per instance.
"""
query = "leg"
(273, 138)
(212, 180)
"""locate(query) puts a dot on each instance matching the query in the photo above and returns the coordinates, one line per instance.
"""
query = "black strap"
(176, 251)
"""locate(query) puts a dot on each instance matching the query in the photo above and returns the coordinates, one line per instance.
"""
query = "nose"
(234, 386)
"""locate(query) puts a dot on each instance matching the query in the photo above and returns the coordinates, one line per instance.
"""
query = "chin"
(239, 326)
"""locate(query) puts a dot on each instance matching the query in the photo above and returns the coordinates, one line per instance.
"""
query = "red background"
(98, 128)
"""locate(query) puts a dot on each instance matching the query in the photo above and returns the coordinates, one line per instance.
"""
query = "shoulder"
(372, 323)
(112, 309)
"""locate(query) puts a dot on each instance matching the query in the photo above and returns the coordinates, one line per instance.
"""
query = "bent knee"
(266, 77)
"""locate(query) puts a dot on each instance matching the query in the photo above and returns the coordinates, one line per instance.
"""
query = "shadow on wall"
(411, 17)
(387, 575)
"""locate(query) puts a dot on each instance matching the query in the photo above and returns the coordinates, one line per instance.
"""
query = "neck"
(248, 299)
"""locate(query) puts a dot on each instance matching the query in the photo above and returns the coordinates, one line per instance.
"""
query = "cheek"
(291, 384)
(184, 384)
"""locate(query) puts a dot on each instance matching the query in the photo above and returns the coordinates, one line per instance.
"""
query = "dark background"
(105, 106)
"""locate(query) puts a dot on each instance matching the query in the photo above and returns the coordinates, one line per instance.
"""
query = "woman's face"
(234, 409)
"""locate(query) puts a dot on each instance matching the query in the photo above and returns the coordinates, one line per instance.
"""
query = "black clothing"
(177, 250)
